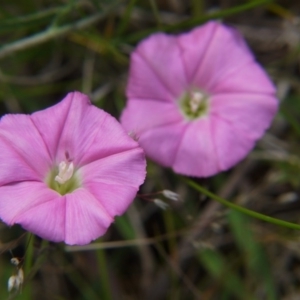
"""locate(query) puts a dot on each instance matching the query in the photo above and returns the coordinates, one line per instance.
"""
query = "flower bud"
(161, 204)
(170, 195)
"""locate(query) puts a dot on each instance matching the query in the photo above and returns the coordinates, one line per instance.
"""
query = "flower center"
(63, 178)
(65, 172)
(194, 104)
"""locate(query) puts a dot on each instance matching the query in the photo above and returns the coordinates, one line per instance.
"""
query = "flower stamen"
(65, 171)
(64, 178)
(194, 104)
(195, 100)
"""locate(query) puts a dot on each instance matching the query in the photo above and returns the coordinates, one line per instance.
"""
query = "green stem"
(28, 262)
(52, 33)
(155, 12)
(31, 17)
(219, 14)
(29, 252)
(62, 13)
(104, 276)
(241, 209)
(123, 24)
(190, 22)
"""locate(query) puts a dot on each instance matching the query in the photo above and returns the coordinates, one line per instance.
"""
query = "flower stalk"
(241, 209)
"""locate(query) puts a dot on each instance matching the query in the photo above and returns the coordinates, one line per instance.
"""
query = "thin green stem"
(155, 12)
(11, 23)
(199, 20)
(219, 14)
(28, 259)
(241, 209)
(123, 24)
(22, 20)
(71, 5)
(29, 252)
(104, 276)
(52, 33)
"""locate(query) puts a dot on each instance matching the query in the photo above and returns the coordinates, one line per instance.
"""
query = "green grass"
(246, 246)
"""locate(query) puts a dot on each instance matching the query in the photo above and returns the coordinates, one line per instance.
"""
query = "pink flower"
(66, 171)
(198, 101)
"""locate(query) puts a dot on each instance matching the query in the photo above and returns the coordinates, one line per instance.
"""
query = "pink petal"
(213, 52)
(251, 78)
(86, 132)
(24, 155)
(33, 145)
(36, 207)
(148, 114)
(46, 220)
(154, 69)
(161, 143)
(196, 154)
(231, 144)
(110, 138)
(215, 60)
(86, 218)
(248, 113)
(126, 168)
(75, 218)
(51, 121)
(114, 198)
(194, 45)
(209, 146)
(69, 126)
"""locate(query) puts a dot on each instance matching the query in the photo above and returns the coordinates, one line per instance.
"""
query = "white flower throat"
(64, 178)
(194, 103)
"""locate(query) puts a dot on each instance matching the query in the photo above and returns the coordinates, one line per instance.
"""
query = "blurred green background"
(196, 249)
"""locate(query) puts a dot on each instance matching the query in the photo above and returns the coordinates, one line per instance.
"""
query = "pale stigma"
(65, 172)
(195, 101)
